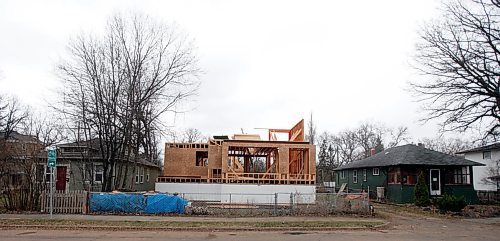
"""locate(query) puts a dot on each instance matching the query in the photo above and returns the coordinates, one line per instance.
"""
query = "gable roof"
(14, 135)
(92, 143)
(410, 155)
(495, 146)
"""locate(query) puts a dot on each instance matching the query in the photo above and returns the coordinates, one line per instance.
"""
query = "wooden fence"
(488, 196)
(65, 202)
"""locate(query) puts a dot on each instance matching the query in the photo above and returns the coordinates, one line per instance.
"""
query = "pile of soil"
(481, 211)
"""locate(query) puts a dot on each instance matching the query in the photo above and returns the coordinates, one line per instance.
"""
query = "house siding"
(75, 180)
(467, 191)
(403, 193)
(482, 172)
(371, 183)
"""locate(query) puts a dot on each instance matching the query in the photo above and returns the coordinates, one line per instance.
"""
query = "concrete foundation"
(241, 193)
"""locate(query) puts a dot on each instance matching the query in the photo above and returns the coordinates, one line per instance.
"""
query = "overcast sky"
(266, 63)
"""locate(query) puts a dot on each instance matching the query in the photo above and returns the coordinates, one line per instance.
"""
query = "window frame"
(377, 173)
(342, 174)
(354, 176)
(40, 173)
(365, 175)
(48, 174)
(137, 175)
(201, 159)
(98, 173)
(460, 176)
(488, 157)
(88, 172)
(141, 177)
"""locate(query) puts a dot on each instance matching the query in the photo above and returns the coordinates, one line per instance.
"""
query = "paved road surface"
(402, 227)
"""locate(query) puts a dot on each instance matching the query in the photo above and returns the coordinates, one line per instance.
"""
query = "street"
(405, 227)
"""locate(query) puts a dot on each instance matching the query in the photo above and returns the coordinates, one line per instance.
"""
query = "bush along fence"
(277, 204)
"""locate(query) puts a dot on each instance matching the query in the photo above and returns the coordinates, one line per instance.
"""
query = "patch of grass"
(194, 224)
(383, 211)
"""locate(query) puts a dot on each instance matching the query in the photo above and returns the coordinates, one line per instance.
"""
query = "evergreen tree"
(323, 154)
(421, 191)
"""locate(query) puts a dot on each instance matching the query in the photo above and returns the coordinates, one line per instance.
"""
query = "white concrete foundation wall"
(192, 191)
(241, 193)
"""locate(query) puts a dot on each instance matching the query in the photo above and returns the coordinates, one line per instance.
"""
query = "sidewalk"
(184, 218)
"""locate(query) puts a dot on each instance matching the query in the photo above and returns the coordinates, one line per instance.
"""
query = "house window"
(342, 175)
(409, 176)
(355, 176)
(137, 171)
(99, 173)
(141, 177)
(47, 173)
(202, 158)
(486, 154)
(147, 175)
(87, 172)
(40, 169)
(364, 175)
(376, 171)
(459, 176)
(394, 176)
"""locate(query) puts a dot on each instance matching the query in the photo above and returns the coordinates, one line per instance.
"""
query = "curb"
(191, 229)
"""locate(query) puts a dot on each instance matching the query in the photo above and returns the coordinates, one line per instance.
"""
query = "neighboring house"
(484, 176)
(397, 169)
(18, 153)
(80, 167)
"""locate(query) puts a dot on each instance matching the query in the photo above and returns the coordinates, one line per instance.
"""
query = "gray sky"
(266, 63)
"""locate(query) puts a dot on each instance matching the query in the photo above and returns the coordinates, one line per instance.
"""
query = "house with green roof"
(396, 170)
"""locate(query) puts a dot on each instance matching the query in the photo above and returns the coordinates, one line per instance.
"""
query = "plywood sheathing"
(231, 161)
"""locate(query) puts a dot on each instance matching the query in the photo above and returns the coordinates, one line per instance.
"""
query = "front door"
(61, 178)
(435, 182)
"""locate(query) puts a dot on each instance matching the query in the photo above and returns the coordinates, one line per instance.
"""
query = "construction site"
(233, 169)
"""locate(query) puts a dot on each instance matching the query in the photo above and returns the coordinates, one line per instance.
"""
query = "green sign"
(51, 158)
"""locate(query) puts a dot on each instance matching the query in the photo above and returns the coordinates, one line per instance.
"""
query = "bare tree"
(311, 131)
(446, 145)
(12, 114)
(370, 135)
(117, 87)
(398, 136)
(21, 176)
(492, 170)
(191, 135)
(460, 54)
(348, 147)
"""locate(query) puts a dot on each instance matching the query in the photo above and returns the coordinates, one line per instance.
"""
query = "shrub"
(451, 203)
(421, 192)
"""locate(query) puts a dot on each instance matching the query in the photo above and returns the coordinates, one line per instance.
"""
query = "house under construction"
(240, 160)
(234, 164)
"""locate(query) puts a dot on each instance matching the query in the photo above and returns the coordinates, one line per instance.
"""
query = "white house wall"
(481, 172)
(241, 193)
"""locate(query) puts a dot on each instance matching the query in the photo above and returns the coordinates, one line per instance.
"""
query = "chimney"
(421, 145)
(372, 152)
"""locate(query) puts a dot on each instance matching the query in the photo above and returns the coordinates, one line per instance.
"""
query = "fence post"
(291, 203)
(368, 195)
(275, 203)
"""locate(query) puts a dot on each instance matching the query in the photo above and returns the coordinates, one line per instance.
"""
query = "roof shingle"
(410, 155)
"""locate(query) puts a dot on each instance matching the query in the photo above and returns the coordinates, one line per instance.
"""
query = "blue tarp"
(136, 203)
(162, 203)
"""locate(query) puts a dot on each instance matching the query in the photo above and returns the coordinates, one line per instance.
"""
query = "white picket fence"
(74, 202)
